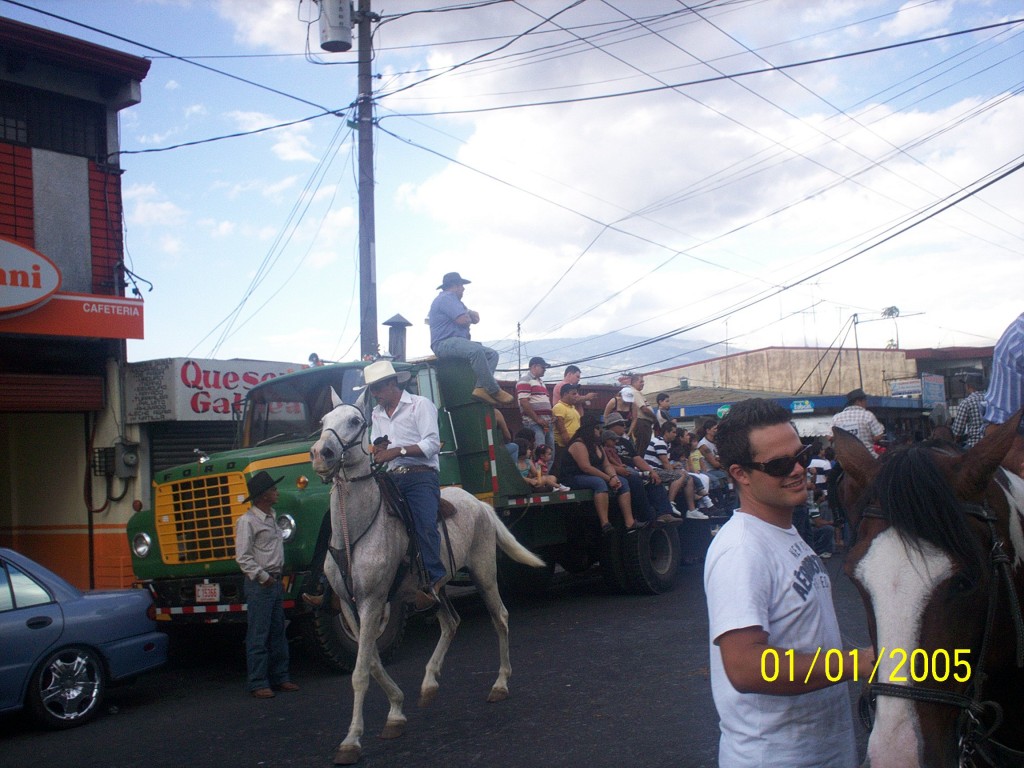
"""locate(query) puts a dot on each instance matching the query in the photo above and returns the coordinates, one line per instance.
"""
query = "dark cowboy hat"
(855, 395)
(614, 418)
(450, 279)
(259, 484)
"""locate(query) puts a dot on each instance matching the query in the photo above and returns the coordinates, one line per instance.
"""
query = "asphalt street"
(599, 679)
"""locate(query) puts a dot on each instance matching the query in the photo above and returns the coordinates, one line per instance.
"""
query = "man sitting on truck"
(409, 422)
(449, 322)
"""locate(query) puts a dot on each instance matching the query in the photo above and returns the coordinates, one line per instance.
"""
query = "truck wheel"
(518, 579)
(328, 637)
(651, 558)
(613, 569)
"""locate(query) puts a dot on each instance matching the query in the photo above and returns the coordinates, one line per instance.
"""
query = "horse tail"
(509, 544)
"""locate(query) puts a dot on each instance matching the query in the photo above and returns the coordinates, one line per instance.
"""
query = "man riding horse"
(405, 437)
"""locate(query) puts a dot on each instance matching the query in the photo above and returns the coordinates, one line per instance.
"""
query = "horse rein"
(972, 735)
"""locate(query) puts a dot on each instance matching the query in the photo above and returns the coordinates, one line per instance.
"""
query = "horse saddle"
(397, 506)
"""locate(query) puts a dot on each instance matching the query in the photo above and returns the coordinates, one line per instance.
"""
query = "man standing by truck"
(259, 551)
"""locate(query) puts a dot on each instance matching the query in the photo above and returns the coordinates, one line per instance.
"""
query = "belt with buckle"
(410, 468)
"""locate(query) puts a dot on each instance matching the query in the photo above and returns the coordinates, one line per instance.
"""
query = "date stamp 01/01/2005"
(917, 665)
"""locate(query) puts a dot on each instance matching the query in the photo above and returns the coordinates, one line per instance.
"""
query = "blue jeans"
(266, 648)
(595, 484)
(483, 360)
(639, 500)
(422, 492)
(540, 437)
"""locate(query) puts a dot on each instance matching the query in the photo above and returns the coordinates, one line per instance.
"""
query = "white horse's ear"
(335, 400)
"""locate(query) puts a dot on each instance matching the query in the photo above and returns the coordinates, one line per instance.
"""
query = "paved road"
(598, 680)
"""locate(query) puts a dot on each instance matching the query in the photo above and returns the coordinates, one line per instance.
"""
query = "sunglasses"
(783, 465)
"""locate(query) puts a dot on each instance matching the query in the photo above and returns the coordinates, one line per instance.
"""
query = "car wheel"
(68, 687)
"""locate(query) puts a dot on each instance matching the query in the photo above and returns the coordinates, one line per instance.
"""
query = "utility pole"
(367, 227)
(856, 343)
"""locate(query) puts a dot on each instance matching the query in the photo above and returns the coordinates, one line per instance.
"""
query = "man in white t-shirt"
(770, 598)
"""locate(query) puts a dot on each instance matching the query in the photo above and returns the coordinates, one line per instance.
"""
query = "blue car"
(60, 647)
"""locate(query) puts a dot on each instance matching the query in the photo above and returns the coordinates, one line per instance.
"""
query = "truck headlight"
(286, 524)
(141, 544)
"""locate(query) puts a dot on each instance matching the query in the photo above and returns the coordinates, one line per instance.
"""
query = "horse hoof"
(347, 754)
(427, 697)
(496, 695)
(392, 730)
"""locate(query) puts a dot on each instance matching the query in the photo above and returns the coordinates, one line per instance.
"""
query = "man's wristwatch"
(402, 451)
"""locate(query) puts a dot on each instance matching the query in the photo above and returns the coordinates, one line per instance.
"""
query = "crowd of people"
(654, 468)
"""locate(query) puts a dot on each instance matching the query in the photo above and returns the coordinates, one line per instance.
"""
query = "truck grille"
(195, 518)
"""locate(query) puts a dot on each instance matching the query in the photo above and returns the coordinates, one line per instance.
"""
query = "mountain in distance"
(605, 370)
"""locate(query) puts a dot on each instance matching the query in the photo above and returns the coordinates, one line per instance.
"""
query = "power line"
(705, 80)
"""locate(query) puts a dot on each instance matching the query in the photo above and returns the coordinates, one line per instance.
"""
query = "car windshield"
(291, 407)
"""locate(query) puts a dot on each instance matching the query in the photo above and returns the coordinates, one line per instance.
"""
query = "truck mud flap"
(613, 569)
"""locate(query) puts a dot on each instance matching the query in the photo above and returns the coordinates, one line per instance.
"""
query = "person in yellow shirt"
(566, 419)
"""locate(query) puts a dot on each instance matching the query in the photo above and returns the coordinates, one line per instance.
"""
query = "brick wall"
(105, 230)
(16, 213)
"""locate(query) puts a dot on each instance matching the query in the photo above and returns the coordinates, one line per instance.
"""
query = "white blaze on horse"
(939, 561)
(374, 542)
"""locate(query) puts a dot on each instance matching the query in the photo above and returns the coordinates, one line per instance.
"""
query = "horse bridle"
(973, 736)
(357, 439)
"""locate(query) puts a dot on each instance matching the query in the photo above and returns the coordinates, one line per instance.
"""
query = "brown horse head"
(932, 525)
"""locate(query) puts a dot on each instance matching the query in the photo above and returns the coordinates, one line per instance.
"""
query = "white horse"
(377, 542)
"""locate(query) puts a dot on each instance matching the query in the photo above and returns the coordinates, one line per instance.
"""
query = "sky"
(757, 172)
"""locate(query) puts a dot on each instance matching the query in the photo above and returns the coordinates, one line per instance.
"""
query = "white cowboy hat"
(381, 370)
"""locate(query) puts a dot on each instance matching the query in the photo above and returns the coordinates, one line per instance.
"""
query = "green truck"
(183, 548)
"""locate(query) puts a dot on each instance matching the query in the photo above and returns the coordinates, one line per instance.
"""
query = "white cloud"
(171, 85)
(915, 18)
(195, 109)
(290, 142)
(148, 207)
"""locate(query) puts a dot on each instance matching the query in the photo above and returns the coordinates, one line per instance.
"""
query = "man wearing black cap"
(535, 403)
(856, 418)
(259, 550)
(969, 424)
(449, 337)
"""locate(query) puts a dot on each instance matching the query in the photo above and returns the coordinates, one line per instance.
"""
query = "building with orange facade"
(68, 464)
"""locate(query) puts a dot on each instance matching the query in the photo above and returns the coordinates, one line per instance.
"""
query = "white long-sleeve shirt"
(414, 422)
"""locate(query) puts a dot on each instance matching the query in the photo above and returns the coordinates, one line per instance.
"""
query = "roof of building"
(71, 52)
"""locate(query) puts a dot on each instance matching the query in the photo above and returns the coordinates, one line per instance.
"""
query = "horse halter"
(357, 439)
(974, 738)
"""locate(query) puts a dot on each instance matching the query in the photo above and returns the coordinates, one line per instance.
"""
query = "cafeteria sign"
(31, 301)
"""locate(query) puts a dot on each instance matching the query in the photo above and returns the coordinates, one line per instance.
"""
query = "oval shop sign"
(27, 277)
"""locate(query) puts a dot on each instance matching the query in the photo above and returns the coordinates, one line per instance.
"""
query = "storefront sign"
(27, 277)
(905, 388)
(31, 303)
(933, 390)
(186, 389)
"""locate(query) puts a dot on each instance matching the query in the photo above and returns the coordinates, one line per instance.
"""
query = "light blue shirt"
(1006, 383)
(444, 310)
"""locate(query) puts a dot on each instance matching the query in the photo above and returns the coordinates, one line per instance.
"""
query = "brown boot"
(425, 599)
(482, 394)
